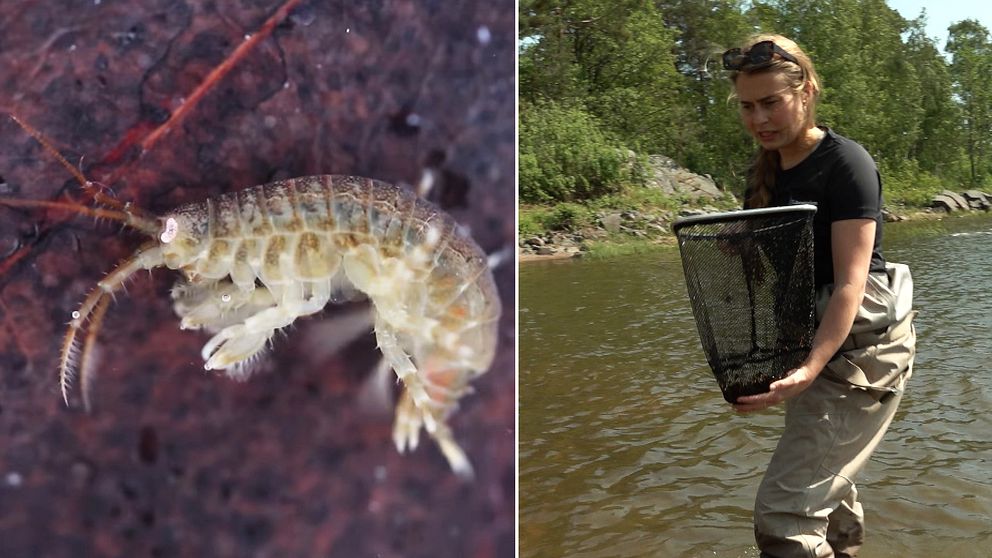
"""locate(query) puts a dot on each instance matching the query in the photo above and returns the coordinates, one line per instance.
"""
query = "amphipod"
(255, 260)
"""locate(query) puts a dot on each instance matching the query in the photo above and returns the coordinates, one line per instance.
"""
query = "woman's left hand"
(790, 386)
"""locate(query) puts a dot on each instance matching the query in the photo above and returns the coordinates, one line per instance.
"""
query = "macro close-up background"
(165, 103)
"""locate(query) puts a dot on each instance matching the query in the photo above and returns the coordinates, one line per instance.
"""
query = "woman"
(841, 399)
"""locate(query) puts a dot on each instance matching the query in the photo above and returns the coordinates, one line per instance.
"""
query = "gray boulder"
(611, 222)
(890, 217)
(968, 200)
(977, 199)
(959, 200)
(946, 203)
(665, 174)
(698, 186)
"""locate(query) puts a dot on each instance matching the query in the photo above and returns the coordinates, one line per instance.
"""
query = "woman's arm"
(852, 241)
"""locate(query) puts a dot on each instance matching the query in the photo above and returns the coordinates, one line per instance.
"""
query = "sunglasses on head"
(759, 54)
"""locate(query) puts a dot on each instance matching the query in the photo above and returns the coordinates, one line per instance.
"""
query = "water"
(628, 449)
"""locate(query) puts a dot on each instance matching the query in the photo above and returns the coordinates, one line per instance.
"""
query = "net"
(749, 275)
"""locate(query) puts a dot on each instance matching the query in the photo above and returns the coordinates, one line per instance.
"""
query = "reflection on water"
(628, 449)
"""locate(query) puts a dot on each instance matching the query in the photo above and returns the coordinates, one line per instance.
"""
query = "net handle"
(742, 214)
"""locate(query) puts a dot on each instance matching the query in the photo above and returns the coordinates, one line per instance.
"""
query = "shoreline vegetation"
(641, 220)
(611, 245)
(613, 94)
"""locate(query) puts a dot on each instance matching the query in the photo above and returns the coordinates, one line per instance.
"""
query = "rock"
(947, 203)
(659, 220)
(665, 174)
(545, 251)
(972, 195)
(596, 234)
(666, 183)
(534, 241)
(691, 212)
(978, 199)
(970, 199)
(663, 162)
(890, 217)
(958, 198)
(697, 186)
(611, 222)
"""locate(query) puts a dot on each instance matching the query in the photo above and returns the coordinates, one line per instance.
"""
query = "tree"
(646, 76)
(712, 138)
(937, 147)
(565, 155)
(971, 65)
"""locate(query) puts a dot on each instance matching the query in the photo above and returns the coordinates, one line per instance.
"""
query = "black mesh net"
(750, 280)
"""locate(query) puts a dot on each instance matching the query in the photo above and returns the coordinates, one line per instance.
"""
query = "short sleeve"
(854, 190)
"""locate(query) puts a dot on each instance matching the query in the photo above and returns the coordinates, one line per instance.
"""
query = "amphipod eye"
(170, 232)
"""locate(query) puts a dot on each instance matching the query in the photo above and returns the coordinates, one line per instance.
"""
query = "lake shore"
(625, 243)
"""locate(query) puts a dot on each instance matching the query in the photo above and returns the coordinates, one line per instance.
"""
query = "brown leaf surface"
(170, 102)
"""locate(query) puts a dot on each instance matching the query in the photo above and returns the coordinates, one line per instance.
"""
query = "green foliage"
(605, 249)
(970, 68)
(565, 155)
(599, 77)
(615, 59)
(937, 147)
(568, 217)
(635, 199)
(565, 216)
(530, 222)
(906, 184)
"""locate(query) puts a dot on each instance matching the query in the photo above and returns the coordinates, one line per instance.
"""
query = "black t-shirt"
(842, 180)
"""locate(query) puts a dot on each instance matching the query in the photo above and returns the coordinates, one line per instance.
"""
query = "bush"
(566, 156)
(568, 217)
(904, 183)
(637, 199)
(531, 222)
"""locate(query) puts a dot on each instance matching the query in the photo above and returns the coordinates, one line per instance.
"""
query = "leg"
(216, 305)
(239, 343)
(830, 432)
(444, 387)
(397, 358)
(406, 427)
(846, 531)
(406, 434)
(236, 344)
(376, 392)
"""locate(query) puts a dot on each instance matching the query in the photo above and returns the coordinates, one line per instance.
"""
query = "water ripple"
(627, 448)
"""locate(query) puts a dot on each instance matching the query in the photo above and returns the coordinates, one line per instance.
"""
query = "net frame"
(746, 372)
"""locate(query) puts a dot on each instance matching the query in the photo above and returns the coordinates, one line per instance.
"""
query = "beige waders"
(807, 505)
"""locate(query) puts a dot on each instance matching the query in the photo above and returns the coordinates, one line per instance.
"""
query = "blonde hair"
(761, 176)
